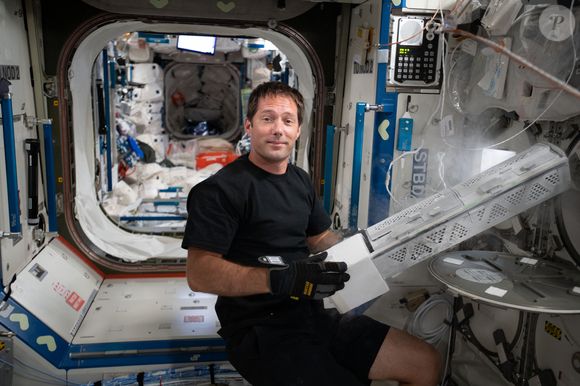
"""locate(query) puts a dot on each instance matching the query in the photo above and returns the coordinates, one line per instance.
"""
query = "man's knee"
(407, 359)
(428, 371)
(432, 366)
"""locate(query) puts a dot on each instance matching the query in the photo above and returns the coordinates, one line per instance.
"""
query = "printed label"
(499, 292)
(553, 330)
(478, 275)
(419, 173)
(193, 319)
(447, 127)
(9, 72)
(75, 301)
(452, 260)
(527, 260)
(469, 46)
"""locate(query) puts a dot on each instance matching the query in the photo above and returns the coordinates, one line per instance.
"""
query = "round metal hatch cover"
(530, 284)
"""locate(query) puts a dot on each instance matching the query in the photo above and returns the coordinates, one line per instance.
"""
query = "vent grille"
(537, 191)
(398, 255)
(497, 211)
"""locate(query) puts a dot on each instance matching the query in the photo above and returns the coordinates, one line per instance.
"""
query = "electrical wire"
(564, 86)
(388, 178)
(452, 67)
(439, 107)
(438, 10)
(415, 322)
(447, 369)
(445, 48)
(500, 48)
(441, 157)
(410, 37)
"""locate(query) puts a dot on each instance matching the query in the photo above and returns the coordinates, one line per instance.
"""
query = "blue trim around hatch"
(383, 150)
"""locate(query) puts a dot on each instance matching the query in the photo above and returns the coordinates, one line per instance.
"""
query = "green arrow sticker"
(48, 341)
(383, 129)
(226, 7)
(22, 321)
(159, 3)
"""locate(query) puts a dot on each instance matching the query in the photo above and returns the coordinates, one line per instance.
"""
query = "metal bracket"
(369, 107)
(30, 122)
(10, 235)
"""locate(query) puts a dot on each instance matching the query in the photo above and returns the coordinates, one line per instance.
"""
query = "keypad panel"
(417, 63)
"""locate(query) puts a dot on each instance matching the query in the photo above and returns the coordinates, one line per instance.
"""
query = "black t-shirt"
(244, 212)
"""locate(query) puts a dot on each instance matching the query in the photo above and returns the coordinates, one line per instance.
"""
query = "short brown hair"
(274, 89)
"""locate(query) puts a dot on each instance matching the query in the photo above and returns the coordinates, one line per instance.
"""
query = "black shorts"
(327, 349)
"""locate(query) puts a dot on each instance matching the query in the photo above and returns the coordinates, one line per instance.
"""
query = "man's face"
(273, 132)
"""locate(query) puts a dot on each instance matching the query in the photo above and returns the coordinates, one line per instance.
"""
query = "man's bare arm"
(209, 272)
(323, 241)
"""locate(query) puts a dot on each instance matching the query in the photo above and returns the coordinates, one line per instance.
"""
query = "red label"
(75, 301)
(193, 318)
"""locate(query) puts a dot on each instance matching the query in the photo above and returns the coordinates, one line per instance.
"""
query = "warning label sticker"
(477, 275)
(193, 319)
(75, 301)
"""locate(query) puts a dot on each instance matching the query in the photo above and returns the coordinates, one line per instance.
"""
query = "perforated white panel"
(456, 214)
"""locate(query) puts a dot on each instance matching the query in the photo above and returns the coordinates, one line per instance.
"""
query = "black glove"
(309, 279)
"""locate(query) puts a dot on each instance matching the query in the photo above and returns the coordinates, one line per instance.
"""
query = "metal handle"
(328, 167)
(361, 109)
(11, 171)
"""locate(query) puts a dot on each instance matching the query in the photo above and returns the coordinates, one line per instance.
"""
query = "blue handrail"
(356, 164)
(166, 203)
(50, 176)
(10, 157)
(329, 152)
(171, 189)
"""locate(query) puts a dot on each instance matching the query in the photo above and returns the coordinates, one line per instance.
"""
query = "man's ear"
(247, 125)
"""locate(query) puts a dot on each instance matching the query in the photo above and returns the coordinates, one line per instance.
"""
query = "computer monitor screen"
(196, 43)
